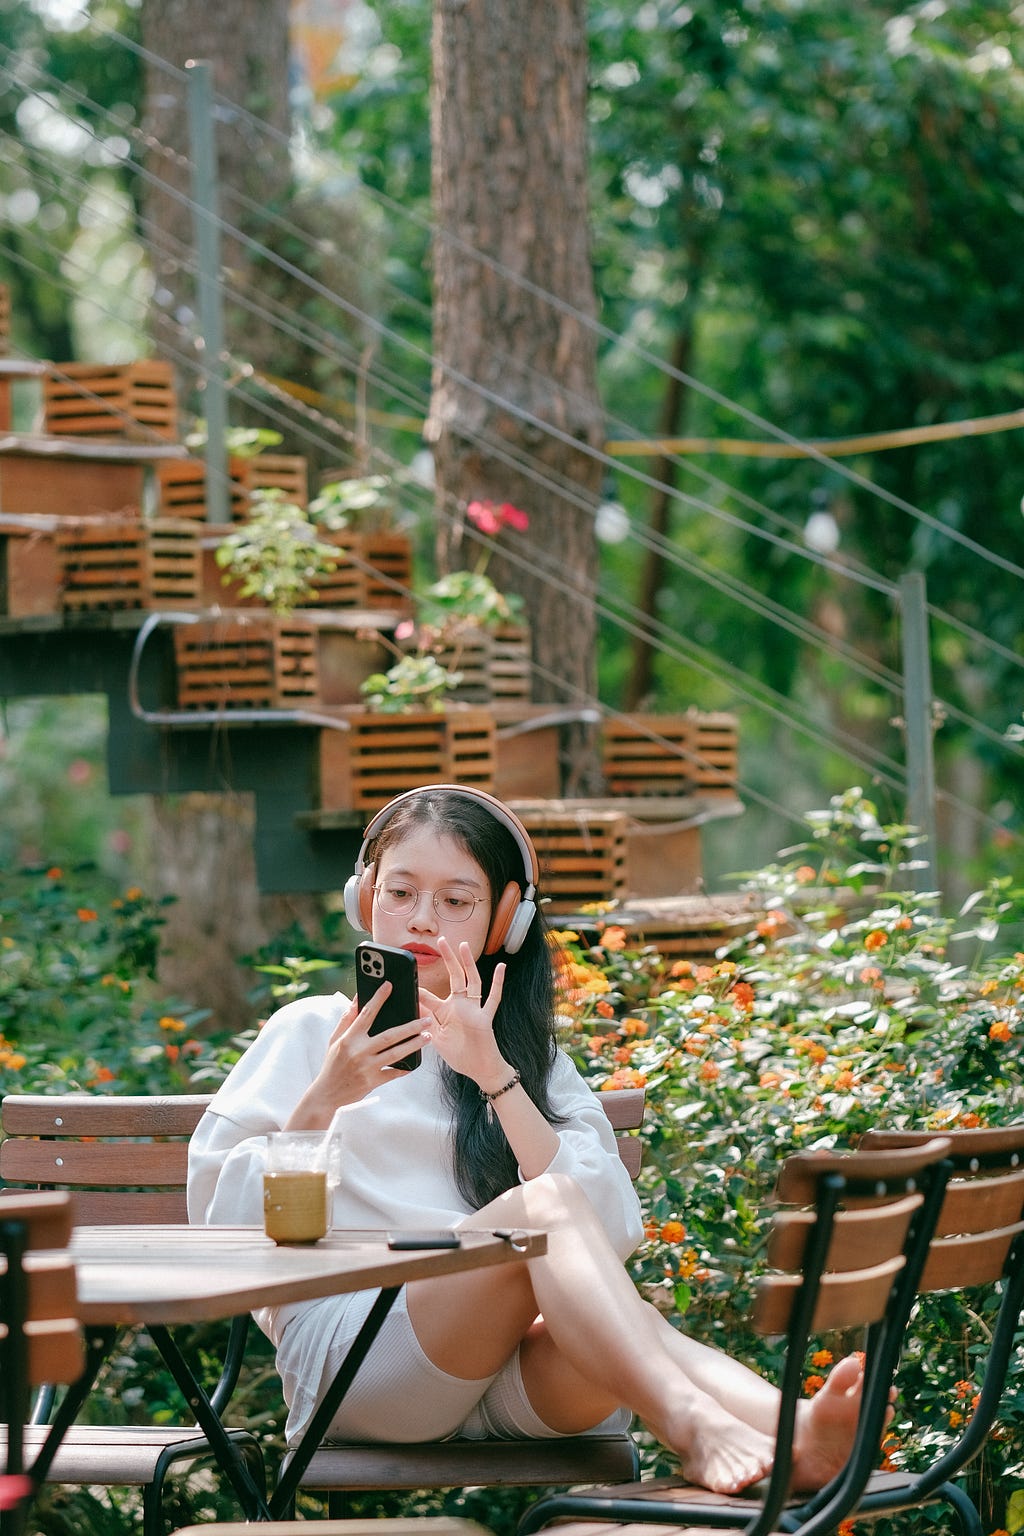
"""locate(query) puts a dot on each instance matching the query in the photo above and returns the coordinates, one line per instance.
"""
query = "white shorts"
(399, 1395)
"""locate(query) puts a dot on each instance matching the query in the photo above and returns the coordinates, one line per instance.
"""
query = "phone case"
(383, 962)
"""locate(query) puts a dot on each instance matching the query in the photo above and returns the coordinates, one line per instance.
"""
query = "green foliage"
(79, 1007)
(414, 682)
(364, 502)
(276, 552)
(471, 596)
(849, 1005)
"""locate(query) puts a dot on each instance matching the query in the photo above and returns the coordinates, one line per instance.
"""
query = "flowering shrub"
(79, 1006)
(851, 1004)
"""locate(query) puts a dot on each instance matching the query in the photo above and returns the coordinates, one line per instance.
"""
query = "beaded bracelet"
(489, 1098)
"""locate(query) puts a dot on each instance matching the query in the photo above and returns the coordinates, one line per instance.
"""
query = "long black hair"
(483, 1162)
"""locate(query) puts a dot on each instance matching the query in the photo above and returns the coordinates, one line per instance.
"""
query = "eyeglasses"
(452, 905)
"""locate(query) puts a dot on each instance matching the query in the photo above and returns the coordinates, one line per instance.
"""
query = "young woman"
(495, 1128)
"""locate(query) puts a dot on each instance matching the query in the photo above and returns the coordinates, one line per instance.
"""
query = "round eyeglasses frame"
(412, 901)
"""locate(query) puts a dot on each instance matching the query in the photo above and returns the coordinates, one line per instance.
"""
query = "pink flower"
(491, 519)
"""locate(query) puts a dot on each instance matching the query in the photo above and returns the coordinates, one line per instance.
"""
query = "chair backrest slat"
(48, 1303)
(860, 1238)
(849, 1299)
(125, 1158)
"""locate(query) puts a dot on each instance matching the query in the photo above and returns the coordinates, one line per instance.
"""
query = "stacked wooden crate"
(133, 400)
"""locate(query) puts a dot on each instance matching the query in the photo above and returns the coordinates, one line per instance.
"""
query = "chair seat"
(121, 1454)
(461, 1463)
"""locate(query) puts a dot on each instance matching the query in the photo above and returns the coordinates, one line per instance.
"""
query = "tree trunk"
(515, 414)
(203, 845)
(246, 45)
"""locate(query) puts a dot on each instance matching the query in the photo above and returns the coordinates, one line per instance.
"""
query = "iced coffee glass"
(296, 1186)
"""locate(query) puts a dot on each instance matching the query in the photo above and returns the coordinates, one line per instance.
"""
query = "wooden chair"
(40, 1336)
(978, 1242)
(124, 1158)
(850, 1259)
(339, 1469)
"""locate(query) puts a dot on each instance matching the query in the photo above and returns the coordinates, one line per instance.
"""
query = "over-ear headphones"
(515, 909)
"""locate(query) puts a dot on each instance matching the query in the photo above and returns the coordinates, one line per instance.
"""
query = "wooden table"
(165, 1275)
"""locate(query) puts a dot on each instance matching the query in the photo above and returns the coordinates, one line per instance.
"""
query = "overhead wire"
(799, 551)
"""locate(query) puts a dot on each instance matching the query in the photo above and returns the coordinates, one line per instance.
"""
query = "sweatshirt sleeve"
(587, 1151)
(227, 1152)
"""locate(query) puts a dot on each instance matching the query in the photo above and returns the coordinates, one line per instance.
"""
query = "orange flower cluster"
(876, 939)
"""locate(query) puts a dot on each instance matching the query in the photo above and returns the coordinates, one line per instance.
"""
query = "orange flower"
(817, 1052)
(845, 1080)
(821, 1358)
(769, 1080)
(172, 1052)
(964, 1389)
(623, 1054)
(805, 874)
(604, 1008)
(772, 921)
(103, 1075)
(813, 1384)
(133, 893)
(705, 973)
(876, 939)
(904, 923)
(673, 1232)
(742, 994)
(613, 939)
(169, 1022)
(710, 1071)
(955, 1418)
(870, 973)
(634, 1027)
(624, 1077)
(1000, 1030)
(86, 915)
(681, 968)
(56, 873)
(969, 1121)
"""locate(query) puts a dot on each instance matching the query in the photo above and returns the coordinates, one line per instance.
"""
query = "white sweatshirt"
(393, 1147)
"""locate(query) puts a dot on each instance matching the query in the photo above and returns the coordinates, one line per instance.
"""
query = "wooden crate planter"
(689, 928)
(243, 663)
(376, 757)
(29, 567)
(174, 567)
(582, 855)
(374, 571)
(181, 489)
(494, 665)
(103, 564)
(670, 754)
(285, 472)
(134, 400)
(182, 484)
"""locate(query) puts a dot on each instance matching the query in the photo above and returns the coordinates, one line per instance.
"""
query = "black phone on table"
(376, 963)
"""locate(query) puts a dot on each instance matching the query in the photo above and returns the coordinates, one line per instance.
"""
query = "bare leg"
(717, 1416)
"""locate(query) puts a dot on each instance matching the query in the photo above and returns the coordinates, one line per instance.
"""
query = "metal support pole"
(917, 712)
(206, 226)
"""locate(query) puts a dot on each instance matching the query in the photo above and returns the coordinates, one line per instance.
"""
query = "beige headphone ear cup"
(504, 913)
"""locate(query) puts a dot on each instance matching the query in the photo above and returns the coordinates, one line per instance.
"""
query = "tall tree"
(515, 412)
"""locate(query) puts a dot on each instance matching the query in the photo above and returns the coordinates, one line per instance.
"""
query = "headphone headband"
(500, 812)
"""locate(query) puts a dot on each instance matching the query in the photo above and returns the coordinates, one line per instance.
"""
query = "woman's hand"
(355, 1062)
(461, 1025)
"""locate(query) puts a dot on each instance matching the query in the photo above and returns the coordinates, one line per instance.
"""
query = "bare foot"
(716, 1450)
(826, 1425)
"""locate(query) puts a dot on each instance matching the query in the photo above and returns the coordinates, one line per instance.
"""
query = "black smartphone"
(404, 1240)
(383, 962)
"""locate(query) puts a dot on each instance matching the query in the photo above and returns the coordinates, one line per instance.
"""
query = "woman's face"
(423, 867)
